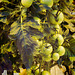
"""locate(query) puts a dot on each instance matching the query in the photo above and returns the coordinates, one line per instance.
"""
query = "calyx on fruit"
(55, 56)
(47, 2)
(27, 3)
(58, 38)
(56, 17)
(61, 50)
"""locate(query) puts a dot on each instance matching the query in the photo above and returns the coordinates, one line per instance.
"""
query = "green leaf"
(3, 19)
(72, 59)
(2, 14)
(22, 33)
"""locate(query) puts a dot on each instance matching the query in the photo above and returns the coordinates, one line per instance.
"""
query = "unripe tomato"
(55, 56)
(47, 2)
(59, 38)
(56, 17)
(27, 3)
(46, 73)
(61, 50)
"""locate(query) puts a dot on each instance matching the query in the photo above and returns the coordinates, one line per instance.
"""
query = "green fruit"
(48, 50)
(61, 50)
(46, 73)
(58, 38)
(55, 56)
(56, 17)
(27, 3)
(47, 2)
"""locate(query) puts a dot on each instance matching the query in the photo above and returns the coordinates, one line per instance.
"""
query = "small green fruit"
(56, 17)
(47, 2)
(55, 56)
(37, 19)
(59, 38)
(27, 3)
(61, 50)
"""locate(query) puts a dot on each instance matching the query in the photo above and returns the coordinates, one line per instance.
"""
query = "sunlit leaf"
(72, 59)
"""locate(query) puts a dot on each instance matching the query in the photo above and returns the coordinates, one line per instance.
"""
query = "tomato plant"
(36, 32)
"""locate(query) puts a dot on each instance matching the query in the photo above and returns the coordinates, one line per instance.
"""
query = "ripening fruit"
(47, 2)
(55, 56)
(56, 17)
(23, 71)
(58, 39)
(61, 50)
(27, 3)
(46, 73)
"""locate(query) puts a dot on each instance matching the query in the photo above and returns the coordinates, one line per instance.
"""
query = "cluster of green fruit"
(56, 17)
(45, 49)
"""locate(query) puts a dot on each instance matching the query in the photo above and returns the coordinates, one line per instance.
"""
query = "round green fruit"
(47, 2)
(55, 56)
(48, 50)
(46, 73)
(56, 17)
(58, 39)
(61, 50)
(27, 3)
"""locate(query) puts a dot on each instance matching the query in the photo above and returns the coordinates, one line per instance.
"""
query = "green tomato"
(47, 2)
(61, 50)
(27, 3)
(56, 19)
(55, 56)
(46, 73)
(59, 38)
(48, 50)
